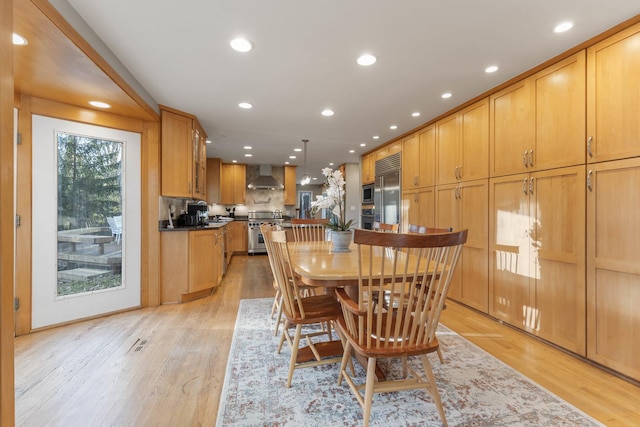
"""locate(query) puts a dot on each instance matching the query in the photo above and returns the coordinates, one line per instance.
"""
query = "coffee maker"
(200, 211)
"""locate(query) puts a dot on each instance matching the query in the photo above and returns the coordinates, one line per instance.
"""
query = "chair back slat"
(417, 270)
(307, 230)
(285, 277)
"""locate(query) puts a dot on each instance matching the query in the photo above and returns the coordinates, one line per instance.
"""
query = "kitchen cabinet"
(537, 255)
(613, 97)
(462, 145)
(239, 237)
(290, 193)
(191, 263)
(183, 152)
(368, 168)
(613, 265)
(418, 207)
(213, 180)
(538, 123)
(233, 184)
(419, 159)
(462, 206)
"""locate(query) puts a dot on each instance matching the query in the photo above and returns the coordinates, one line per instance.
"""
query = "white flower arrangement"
(334, 200)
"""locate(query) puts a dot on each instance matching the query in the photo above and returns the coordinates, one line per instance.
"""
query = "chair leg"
(282, 337)
(294, 353)
(275, 303)
(440, 355)
(346, 356)
(432, 387)
(368, 391)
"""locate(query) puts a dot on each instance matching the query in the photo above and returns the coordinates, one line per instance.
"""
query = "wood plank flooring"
(165, 365)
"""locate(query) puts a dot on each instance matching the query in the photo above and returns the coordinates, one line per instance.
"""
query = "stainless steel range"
(256, 240)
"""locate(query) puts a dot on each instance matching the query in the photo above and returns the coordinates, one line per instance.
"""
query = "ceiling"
(304, 60)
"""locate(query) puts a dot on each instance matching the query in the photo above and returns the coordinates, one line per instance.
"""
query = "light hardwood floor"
(165, 365)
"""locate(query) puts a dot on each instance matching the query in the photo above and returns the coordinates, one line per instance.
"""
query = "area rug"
(476, 388)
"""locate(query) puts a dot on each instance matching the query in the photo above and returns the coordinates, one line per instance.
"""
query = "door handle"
(531, 185)
(524, 186)
(589, 180)
(525, 159)
(531, 157)
(589, 141)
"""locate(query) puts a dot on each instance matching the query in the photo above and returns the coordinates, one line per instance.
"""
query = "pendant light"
(306, 178)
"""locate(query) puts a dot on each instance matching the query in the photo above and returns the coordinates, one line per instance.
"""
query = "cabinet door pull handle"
(531, 185)
(460, 172)
(589, 141)
(589, 180)
(531, 157)
(525, 160)
(524, 186)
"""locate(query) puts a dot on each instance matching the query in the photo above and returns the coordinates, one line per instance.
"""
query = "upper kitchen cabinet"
(511, 128)
(368, 168)
(290, 185)
(183, 155)
(560, 114)
(538, 123)
(233, 184)
(214, 166)
(613, 96)
(462, 145)
(419, 159)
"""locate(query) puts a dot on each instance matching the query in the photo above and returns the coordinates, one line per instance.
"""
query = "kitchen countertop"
(211, 225)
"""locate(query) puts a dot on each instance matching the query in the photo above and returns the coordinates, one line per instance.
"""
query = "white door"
(84, 177)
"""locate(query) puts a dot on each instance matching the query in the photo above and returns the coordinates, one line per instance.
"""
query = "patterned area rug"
(476, 388)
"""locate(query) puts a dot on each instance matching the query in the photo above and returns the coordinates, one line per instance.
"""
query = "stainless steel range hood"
(265, 180)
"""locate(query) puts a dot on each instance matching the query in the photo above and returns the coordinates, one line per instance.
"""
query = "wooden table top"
(318, 266)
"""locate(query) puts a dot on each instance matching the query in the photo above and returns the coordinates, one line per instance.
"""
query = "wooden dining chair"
(384, 227)
(302, 311)
(276, 308)
(402, 261)
(308, 229)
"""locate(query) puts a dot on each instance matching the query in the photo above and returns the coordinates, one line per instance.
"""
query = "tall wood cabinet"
(419, 159)
(462, 145)
(290, 193)
(183, 155)
(613, 91)
(466, 206)
(537, 254)
(613, 269)
(367, 168)
(538, 123)
(418, 207)
(233, 184)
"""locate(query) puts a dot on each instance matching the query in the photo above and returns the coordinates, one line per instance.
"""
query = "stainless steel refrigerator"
(386, 196)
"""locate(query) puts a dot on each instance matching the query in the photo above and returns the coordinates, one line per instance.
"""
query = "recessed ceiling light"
(245, 105)
(314, 178)
(18, 40)
(234, 161)
(446, 95)
(247, 147)
(327, 112)
(286, 163)
(415, 114)
(241, 45)
(297, 149)
(352, 151)
(99, 104)
(367, 59)
(331, 164)
(376, 137)
(393, 127)
(561, 28)
(292, 157)
(248, 155)
(363, 145)
(208, 141)
(491, 69)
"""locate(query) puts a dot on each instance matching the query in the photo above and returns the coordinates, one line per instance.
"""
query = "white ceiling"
(304, 61)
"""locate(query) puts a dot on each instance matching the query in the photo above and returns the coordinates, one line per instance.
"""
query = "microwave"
(367, 194)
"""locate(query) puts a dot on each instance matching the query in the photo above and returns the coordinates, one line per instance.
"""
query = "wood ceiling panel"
(52, 67)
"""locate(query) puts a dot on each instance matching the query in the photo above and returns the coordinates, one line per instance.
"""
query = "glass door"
(86, 227)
